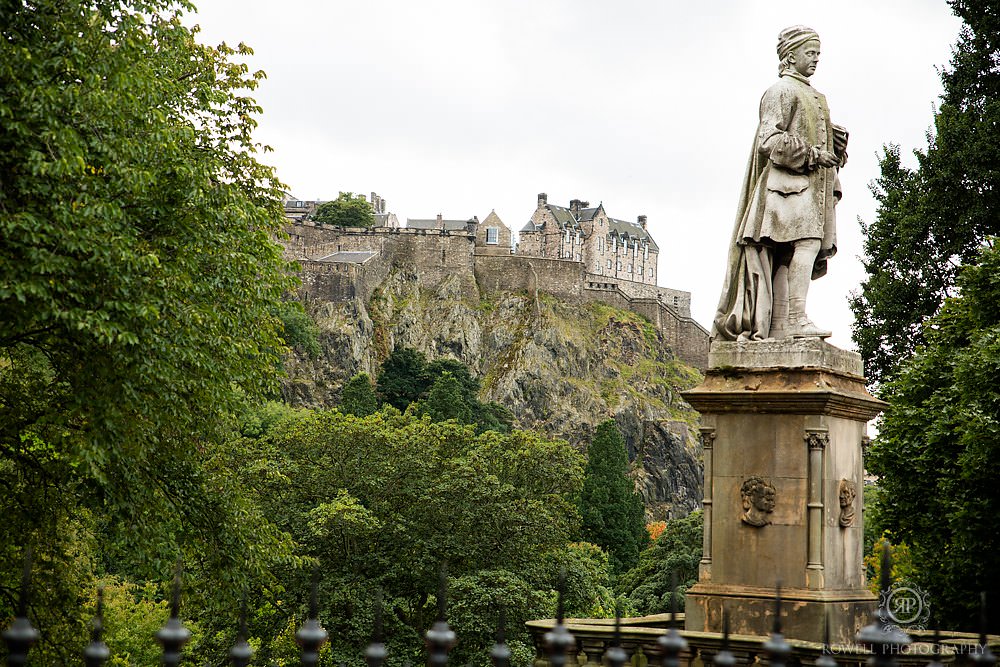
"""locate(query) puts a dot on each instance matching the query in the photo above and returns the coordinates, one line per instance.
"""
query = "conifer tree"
(612, 512)
(358, 397)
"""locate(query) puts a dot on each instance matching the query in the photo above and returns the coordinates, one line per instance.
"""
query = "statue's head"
(848, 492)
(798, 49)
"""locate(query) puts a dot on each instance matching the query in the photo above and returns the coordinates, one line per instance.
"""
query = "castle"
(577, 253)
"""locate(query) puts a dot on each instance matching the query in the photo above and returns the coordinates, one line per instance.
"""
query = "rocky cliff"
(559, 368)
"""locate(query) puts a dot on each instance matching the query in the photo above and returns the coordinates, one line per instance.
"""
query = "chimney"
(543, 199)
(574, 206)
(642, 221)
(440, 221)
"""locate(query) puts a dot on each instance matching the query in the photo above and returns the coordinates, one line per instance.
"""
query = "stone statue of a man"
(786, 226)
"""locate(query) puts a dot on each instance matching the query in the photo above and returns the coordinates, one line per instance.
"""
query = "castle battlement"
(341, 264)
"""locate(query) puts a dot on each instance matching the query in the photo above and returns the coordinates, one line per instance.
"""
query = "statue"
(758, 501)
(848, 492)
(785, 226)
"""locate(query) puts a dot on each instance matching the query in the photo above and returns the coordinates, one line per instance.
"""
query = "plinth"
(783, 426)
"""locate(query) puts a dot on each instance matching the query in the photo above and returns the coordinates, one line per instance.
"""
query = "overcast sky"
(460, 107)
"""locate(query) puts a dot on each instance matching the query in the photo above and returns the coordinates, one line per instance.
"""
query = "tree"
(937, 447)
(445, 401)
(936, 218)
(358, 397)
(139, 279)
(672, 559)
(347, 210)
(380, 502)
(612, 512)
(402, 378)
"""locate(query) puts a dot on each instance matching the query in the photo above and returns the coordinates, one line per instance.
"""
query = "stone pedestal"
(783, 424)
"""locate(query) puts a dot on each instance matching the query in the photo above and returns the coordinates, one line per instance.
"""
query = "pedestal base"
(783, 424)
(803, 616)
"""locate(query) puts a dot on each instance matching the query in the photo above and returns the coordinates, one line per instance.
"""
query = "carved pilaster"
(817, 441)
(708, 450)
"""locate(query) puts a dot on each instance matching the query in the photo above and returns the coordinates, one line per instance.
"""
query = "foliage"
(298, 329)
(402, 378)
(139, 281)
(406, 377)
(937, 447)
(655, 529)
(347, 210)
(934, 219)
(445, 400)
(132, 615)
(675, 553)
(358, 396)
(381, 502)
(903, 567)
(612, 512)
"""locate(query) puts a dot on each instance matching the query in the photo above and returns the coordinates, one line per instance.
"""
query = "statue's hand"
(827, 159)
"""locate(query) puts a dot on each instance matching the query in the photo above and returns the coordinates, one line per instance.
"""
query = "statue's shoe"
(804, 328)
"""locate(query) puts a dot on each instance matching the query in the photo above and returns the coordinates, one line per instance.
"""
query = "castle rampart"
(341, 264)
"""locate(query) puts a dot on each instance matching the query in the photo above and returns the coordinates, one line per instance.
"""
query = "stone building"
(607, 246)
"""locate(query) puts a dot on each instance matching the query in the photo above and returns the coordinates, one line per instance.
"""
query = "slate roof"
(350, 257)
(632, 230)
(564, 218)
(449, 225)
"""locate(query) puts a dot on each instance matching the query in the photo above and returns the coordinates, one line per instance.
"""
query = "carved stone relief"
(758, 501)
(848, 495)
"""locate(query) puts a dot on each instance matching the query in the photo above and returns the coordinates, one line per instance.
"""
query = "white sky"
(462, 106)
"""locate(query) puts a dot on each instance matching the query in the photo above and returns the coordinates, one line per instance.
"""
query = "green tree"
(298, 329)
(347, 210)
(139, 282)
(446, 400)
(937, 447)
(380, 502)
(403, 377)
(934, 219)
(673, 557)
(358, 396)
(612, 512)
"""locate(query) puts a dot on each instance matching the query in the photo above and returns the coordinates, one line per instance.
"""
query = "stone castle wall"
(430, 256)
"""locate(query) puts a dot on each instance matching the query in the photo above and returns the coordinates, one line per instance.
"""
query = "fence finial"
(882, 638)
(311, 635)
(21, 635)
(724, 658)
(173, 635)
(983, 657)
(241, 652)
(671, 643)
(615, 655)
(375, 653)
(440, 638)
(777, 648)
(97, 652)
(500, 653)
(559, 639)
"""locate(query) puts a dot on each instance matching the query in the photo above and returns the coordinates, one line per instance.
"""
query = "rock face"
(559, 368)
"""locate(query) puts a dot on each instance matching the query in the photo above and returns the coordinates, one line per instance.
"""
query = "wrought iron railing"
(883, 643)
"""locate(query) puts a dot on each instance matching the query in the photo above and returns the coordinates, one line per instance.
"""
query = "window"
(651, 273)
(579, 238)
(645, 252)
(492, 235)
(629, 269)
(609, 263)
(614, 244)
(568, 237)
(618, 266)
(578, 258)
(600, 244)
